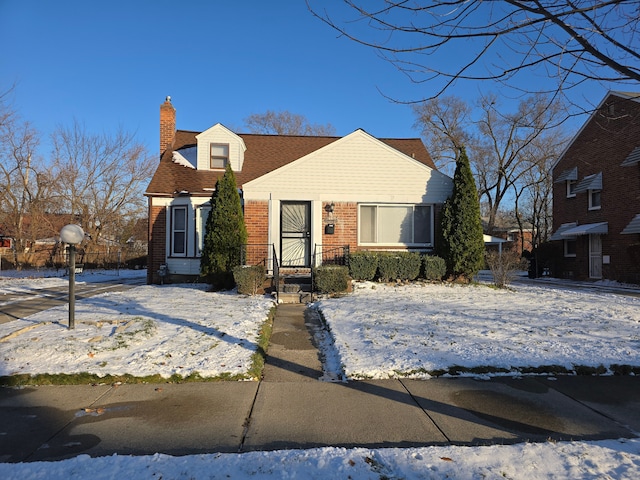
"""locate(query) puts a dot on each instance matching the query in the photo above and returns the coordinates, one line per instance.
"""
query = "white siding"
(356, 168)
(220, 134)
(183, 266)
(187, 265)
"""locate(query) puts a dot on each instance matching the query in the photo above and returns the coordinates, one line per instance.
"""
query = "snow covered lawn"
(149, 330)
(383, 331)
(607, 459)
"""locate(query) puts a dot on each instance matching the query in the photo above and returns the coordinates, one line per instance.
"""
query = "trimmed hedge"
(433, 267)
(363, 265)
(249, 278)
(331, 279)
(398, 266)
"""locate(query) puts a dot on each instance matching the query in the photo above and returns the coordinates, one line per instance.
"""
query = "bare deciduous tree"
(533, 195)
(445, 123)
(99, 179)
(507, 148)
(24, 184)
(285, 123)
(571, 41)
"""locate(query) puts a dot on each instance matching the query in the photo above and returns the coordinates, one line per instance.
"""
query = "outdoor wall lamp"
(329, 207)
(72, 235)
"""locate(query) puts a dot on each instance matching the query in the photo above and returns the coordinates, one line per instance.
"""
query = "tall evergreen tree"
(462, 244)
(225, 233)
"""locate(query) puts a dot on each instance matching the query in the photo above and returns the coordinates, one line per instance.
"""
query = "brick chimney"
(167, 125)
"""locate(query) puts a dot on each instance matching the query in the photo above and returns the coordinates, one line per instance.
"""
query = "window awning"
(590, 182)
(571, 174)
(632, 159)
(563, 228)
(489, 240)
(633, 227)
(587, 229)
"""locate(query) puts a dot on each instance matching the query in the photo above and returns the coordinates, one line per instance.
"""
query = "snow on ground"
(148, 330)
(607, 459)
(381, 331)
(14, 281)
(375, 332)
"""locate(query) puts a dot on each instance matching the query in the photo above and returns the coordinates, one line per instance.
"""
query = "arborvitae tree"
(225, 233)
(462, 244)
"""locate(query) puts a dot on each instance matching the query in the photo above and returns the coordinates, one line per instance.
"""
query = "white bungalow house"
(301, 194)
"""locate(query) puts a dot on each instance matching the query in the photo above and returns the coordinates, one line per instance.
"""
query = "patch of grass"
(584, 370)
(546, 369)
(457, 370)
(625, 369)
(93, 379)
(260, 355)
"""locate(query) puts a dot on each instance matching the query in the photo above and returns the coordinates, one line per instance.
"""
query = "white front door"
(595, 256)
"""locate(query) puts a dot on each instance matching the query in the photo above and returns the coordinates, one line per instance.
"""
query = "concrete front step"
(295, 287)
(295, 297)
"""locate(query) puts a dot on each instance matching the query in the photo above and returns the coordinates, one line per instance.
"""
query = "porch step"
(295, 289)
(297, 297)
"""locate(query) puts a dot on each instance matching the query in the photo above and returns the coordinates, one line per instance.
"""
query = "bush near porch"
(389, 266)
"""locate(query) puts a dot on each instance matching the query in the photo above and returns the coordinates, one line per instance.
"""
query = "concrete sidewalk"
(291, 408)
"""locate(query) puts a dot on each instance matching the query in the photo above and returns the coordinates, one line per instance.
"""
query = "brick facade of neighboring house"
(301, 194)
(596, 195)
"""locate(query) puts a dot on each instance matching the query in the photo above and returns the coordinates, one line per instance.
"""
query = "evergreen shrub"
(398, 266)
(249, 278)
(363, 265)
(225, 233)
(461, 242)
(433, 267)
(331, 278)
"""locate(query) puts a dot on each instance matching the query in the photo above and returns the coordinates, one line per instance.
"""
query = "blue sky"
(110, 64)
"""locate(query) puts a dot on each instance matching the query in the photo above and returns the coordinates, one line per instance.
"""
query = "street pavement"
(292, 408)
(21, 304)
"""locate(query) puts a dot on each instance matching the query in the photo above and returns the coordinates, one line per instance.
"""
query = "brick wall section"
(256, 219)
(602, 146)
(157, 242)
(167, 125)
(345, 219)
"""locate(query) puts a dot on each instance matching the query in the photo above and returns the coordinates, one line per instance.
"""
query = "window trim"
(590, 193)
(225, 159)
(571, 185)
(172, 239)
(200, 219)
(429, 244)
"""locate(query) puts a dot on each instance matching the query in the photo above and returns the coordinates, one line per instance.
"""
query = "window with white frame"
(570, 247)
(219, 156)
(395, 224)
(595, 198)
(571, 186)
(202, 215)
(179, 231)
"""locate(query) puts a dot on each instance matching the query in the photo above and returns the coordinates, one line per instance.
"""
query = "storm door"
(595, 256)
(295, 234)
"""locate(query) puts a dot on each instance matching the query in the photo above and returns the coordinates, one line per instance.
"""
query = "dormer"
(219, 146)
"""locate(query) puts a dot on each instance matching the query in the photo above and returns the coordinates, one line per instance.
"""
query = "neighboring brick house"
(300, 193)
(596, 195)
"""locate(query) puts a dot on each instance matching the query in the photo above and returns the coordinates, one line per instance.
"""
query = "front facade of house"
(301, 195)
(596, 195)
